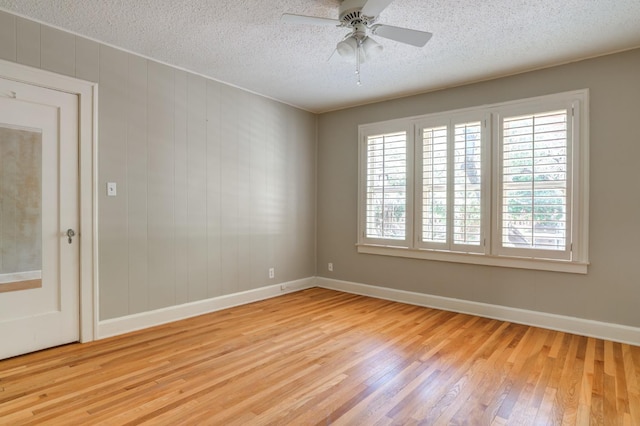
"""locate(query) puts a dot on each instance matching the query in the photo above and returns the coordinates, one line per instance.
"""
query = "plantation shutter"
(386, 186)
(434, 209)
(535, 185)
(499, 185)
(467, 181)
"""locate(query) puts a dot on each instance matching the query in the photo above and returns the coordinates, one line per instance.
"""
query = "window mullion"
(417, 186)
(409, 185)
(487, 184)
(451, 137)
(496, 183)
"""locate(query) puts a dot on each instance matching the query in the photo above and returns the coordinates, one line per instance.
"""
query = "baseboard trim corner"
(129, 323)
(585, 327)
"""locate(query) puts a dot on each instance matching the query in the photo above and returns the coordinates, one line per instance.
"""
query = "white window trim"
(579, 181)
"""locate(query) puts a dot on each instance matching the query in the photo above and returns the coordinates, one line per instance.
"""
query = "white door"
(39, 253)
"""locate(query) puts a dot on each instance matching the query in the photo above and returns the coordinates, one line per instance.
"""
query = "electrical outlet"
(330, 267)
(272, 273)
(283, 287)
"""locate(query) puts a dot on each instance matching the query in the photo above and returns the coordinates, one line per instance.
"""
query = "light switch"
(112, 189)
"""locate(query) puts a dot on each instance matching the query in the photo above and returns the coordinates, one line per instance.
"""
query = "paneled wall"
(610, 292)
(214, 184)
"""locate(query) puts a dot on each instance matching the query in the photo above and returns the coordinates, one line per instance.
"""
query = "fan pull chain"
(358, 50)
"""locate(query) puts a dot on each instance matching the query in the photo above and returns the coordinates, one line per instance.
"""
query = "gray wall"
(215, 185)
(609, 292)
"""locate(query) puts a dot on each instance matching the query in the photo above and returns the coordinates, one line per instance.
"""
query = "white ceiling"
(243, 42)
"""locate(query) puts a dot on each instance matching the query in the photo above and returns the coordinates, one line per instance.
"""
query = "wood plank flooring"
(324, 357)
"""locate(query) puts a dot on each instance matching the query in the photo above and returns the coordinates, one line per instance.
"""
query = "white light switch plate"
(112, 189)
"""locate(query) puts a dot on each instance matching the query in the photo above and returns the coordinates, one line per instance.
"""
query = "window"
(504, 185)
(387, 186)
(450, 170)
(434, 185)
(533, 199)
(386, 213)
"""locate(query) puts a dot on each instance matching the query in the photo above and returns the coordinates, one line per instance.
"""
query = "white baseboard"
(113, 327)
(584, 327)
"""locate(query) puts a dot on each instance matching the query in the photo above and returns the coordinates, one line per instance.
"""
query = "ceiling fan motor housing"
(350, 12)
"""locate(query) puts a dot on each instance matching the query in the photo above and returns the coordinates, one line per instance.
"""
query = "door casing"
(87, 93)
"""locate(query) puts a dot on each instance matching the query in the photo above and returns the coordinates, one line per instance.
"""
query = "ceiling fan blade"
(312, 20)
(373, 7)
(403, 35)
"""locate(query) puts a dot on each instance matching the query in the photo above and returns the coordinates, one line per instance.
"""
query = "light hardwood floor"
(324, 357)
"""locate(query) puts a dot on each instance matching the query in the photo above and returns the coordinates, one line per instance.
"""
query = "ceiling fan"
(360, 17)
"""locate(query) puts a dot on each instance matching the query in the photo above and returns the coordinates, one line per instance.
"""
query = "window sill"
(477, 259)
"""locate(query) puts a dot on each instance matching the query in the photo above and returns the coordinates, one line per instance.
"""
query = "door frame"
(87, 93)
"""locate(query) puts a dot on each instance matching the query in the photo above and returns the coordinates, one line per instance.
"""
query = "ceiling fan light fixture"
(347, 47)
(361, 17)
(371, 47)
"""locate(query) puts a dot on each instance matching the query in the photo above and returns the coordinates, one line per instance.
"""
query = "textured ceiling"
(243, 42)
